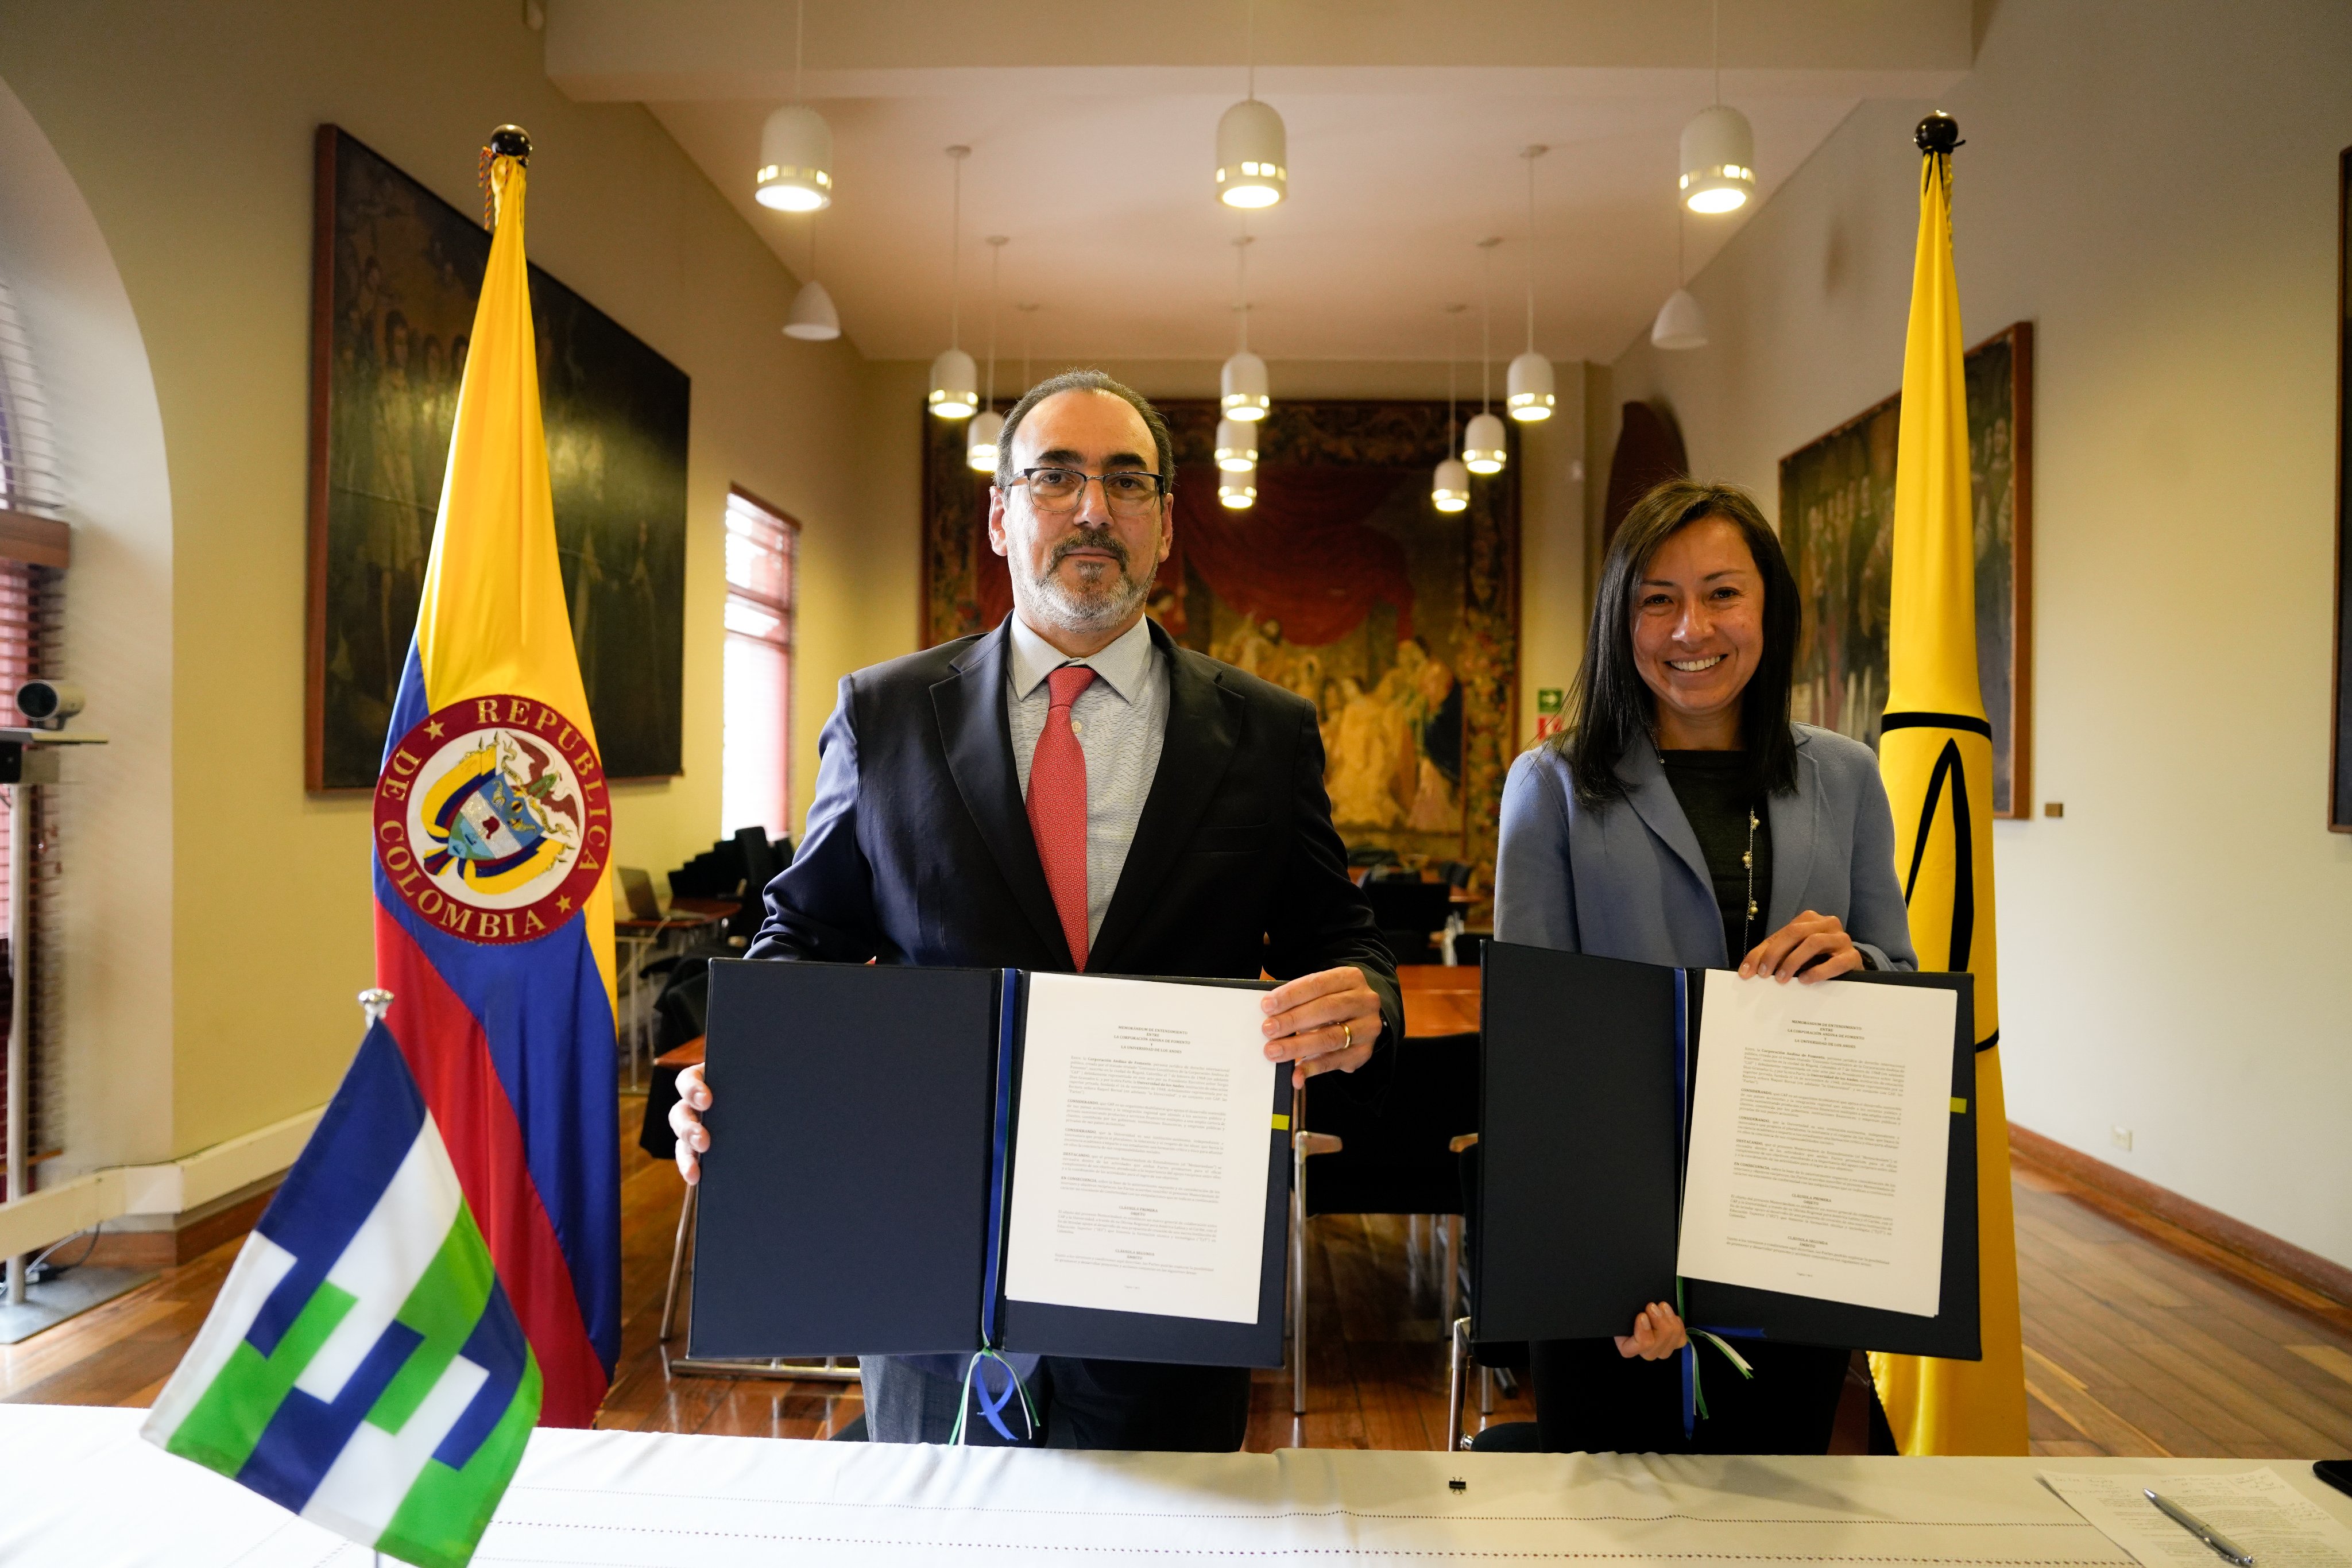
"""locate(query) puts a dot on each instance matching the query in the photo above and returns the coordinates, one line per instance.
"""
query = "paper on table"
(2258, 1511)
(1820, 1132)
(1138, 1178)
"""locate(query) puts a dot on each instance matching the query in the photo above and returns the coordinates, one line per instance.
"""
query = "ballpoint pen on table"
(2228, 1550)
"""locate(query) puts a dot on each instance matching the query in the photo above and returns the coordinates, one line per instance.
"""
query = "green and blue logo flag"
(362, 1366)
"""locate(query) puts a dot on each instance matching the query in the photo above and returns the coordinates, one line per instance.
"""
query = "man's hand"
(686, 1120)
(1657, 1335)
(1318, 1023)
(1818, 941)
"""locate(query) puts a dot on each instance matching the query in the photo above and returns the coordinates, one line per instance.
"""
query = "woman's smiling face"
(1698, 632)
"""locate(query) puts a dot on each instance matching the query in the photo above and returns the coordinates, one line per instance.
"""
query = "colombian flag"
(493, 833)
(1935, 751)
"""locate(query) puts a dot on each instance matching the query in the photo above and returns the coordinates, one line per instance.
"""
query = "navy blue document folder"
(864, 1124)
(1581, 1154)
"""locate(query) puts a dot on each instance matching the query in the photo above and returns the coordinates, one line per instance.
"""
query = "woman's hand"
(1811, 948)
(1657, 1333)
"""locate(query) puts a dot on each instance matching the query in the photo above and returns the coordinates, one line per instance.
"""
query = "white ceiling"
(1092, 129)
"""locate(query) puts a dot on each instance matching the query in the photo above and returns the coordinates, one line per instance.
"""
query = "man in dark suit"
(1074, 791)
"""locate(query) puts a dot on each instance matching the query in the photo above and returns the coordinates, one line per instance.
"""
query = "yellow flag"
(1936, 754)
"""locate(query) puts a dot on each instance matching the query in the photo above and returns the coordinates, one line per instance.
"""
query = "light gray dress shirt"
(1121, 720)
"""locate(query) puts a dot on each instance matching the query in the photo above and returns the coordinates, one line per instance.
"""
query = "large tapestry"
(1837, 525)
(1344, 584)
(397, 272)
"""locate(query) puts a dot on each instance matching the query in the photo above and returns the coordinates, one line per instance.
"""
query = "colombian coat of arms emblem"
(491, 820)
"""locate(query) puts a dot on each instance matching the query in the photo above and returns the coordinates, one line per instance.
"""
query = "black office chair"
(1411, 915)
(681, 1009)
(1391, 1157)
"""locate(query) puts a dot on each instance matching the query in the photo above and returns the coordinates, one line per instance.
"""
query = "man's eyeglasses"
(1129, 492)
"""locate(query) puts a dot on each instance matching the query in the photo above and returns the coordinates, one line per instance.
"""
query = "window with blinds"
(32, 598)
(756, 775)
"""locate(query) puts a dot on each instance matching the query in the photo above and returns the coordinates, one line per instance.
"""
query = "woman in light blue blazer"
(1682, 819)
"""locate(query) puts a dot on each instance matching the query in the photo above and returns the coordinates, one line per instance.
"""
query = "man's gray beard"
(1107, 606)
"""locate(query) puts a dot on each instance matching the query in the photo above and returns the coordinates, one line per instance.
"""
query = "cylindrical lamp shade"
(1237, 488)
(796, 160)
(1718, 160)
(1482, 445)
(1449, 491)
(955, 385)
(1253, 156)
(812, 318)
(980, 441)
(1531, 388)
(1681, 324)
(1236, 445)
(1243, 383)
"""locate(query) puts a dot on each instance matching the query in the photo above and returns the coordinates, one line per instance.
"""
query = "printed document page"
(1138, 1178)
(1820, 1130)
(2258, 1511)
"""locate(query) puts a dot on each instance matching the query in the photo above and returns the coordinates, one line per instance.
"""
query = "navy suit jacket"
(919, 849)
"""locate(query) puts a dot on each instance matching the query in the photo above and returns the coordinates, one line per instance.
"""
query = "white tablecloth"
(78, 1486)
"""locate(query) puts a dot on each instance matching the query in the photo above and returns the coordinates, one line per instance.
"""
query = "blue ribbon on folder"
(993, 1403)
(1694, 1396)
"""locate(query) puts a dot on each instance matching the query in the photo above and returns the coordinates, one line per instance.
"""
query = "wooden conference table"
(1439, 999)
(80, 1487)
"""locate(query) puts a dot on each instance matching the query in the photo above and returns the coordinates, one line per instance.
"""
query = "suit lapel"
(978, 739)
(1653, 802)
(1794, 836)
(1203, 728)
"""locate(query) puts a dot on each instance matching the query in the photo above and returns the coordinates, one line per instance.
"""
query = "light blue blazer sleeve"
(1534, 881)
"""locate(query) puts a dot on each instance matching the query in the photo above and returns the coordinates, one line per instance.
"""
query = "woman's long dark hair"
(1610, 708)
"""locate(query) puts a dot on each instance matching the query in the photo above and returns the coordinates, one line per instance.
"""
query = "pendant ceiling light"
(1528, 390)
(1482, 444)
(1237, 488)
(1449, 487)
(1681, 324)
(1719, 150)
(988, 425)
(1236, 445)
(1242, 387)
(795, 149)
(955, 380)
(1252, 154)
(812, 319)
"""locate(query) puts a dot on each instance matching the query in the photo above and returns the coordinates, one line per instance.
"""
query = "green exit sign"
(1550, 699)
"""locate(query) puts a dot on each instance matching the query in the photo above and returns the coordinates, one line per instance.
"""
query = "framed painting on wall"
(1837, 521)
(396, 273)
(2339, 751)
(1343, 583)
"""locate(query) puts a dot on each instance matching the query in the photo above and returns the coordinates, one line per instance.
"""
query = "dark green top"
(1713, 788)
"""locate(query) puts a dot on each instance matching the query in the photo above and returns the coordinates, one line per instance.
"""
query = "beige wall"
(188, 131)
(2154, 185)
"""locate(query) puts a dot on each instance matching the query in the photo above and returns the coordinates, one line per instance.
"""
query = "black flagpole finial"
(1939, 132)
(510, 141)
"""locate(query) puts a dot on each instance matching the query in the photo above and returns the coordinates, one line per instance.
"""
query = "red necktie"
(1058, 808)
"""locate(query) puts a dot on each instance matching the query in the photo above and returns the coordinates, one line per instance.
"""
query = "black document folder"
(864, 1127)
(1581, 1156)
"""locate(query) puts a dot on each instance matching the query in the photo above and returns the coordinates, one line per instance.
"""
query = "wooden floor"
(2138, 1342)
